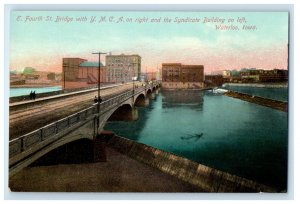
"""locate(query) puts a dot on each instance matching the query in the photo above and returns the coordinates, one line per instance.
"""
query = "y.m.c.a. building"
(179, 76)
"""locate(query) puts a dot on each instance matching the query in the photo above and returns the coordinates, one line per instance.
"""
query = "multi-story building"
(122, 68)
(276, 75)
(253, 75)
(79, 73)
(177, 75)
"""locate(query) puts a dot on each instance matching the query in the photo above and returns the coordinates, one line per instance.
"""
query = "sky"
(38, 40)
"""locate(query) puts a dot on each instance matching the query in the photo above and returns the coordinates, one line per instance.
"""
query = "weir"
(279, 105)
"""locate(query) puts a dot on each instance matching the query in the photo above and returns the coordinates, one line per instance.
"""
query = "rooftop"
(182, 65)
(123, 55)
(171, 64)
(193, 66)
(90, 64)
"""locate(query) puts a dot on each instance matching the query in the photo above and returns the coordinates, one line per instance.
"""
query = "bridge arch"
(149, 91)
(140, 100)
(39, 152)
(73, 152)
(123, 112)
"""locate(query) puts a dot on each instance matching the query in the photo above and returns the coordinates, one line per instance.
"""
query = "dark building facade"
(213, 80)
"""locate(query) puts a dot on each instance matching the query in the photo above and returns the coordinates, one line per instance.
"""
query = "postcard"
(148, 101)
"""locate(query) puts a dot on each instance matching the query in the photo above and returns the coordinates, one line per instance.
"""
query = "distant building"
(158, 74)
(89, 71)
(51, 76)
(16, 79)
(150, 76)
(253, 75)
(122, 68)
(250, 75)
(216, 72)
(276, 75)
(177, 75)
(78, 73)
(213, 80)
(226, 73)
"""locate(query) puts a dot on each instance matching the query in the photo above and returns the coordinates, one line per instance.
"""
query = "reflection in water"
(188, 98)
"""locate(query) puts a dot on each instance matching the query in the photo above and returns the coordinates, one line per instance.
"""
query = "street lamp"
(133, 77)
(98, 99)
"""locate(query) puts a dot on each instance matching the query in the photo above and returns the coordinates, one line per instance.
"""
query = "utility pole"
(64, 78)
(98, 99)
(146, 74)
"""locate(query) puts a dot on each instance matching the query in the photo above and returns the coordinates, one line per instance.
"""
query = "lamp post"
(98, 99)
(146, 75)
(133, 77)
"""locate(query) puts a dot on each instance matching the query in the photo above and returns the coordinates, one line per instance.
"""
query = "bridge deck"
(60, 96)
(27, 118)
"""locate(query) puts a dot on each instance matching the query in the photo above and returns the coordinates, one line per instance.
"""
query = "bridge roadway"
(46, 110)
(50, 124)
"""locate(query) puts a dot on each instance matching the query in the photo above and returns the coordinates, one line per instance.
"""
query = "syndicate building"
(253, 75)
(78, 73)
(123, 68)
(264, 76)
(179, 76)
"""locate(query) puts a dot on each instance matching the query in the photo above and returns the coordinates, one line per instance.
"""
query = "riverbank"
(119, 174)
(132, 167)
(258, 85)
(35, 85)
(209, 179)
(278, 105)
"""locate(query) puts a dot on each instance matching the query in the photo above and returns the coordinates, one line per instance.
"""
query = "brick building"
(121, 68)
(265, 76)
(78, 73)
(276, 75)
(177, 75)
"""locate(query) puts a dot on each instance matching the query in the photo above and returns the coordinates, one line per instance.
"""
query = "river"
(26, 91)
(225, 133)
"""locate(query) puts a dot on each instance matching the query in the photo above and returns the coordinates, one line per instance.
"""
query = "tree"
(28, 70)
(13, 71)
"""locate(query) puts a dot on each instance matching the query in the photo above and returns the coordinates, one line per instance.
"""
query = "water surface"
(225, 133)
(26, 91)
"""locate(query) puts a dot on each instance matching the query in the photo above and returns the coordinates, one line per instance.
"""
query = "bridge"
(84, 124)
